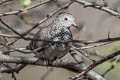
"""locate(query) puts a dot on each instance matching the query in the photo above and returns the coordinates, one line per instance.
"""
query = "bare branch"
(47, 17)
(16, 69)
(112, 66)
(77, 77)
(9, 27)
(5, 1)
(75, 41)
(103, 8)
(59, 64)
(24, 10)
(91, 74)
(47, 73)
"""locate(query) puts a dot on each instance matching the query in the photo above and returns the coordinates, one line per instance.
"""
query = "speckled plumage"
(58, 30)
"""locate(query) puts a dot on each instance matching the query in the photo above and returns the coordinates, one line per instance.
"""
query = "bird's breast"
(63, 34)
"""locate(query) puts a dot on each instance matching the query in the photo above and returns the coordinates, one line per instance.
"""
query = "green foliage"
(113, 47)
(25, 3)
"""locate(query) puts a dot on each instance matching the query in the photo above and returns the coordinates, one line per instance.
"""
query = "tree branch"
(75, 41)
(96, 6)
(24, 10)
(77, 77)
(75, 67)
(5, 1)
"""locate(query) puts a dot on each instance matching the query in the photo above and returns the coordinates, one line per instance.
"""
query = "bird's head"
(66, 19)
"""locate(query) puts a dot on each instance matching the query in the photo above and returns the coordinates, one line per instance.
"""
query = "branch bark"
(77, 77)
(72, 66)
(103, 8)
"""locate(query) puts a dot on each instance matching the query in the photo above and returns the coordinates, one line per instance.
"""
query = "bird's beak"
(74, 24)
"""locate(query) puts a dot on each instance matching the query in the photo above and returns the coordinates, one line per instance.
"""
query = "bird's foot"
(47, 62)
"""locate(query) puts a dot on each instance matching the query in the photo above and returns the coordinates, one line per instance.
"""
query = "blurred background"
(93, 25)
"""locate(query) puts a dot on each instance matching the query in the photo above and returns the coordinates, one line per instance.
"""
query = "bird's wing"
(43, 33)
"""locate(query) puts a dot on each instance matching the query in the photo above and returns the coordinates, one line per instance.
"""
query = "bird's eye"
(65, 19)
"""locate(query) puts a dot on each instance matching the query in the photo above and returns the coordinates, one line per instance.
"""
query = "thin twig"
(5, 1)
(24, 10)
(77, 77)
(16, 69)
(47, 17)
(82, 52)
(47, 73)
(68, 41)
(13, 49)
(13, 76)
(92, 75)
(99, 7)
(112, 66)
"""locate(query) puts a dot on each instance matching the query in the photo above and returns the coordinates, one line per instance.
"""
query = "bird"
(57, 30)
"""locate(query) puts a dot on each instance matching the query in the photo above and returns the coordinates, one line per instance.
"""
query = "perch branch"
(77, 77)
(59, 64)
